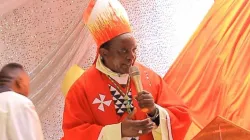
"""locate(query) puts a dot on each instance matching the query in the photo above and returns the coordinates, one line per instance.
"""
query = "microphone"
(136, 78)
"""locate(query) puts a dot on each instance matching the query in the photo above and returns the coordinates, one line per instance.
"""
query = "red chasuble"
(94, 101)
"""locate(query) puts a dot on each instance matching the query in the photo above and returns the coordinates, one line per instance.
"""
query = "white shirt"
(18, 118)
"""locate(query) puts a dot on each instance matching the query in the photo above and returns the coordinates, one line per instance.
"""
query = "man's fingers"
(144, 92)
(143, 123)
(146, 106)
(149, 103)
(138, 127)
(146, 101)
(151, 124)
(146, 129)
(144, 96)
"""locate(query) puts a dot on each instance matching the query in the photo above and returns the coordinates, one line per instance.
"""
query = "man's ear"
(18, 82)
(103, 52)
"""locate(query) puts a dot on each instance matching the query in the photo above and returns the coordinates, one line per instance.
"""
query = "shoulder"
(14, 100)
(91, 72)
(149, 78)
(87, 79)
(89, 75)
(12, 96)
(143, 67)
(145, 70)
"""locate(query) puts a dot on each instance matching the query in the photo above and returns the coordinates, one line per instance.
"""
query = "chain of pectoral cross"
(126, 97)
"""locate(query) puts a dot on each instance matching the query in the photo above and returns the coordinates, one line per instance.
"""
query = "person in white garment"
(18, 117)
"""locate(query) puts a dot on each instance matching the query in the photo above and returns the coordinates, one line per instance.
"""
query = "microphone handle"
(140, 89)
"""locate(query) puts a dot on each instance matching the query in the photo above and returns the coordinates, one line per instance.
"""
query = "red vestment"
(84, 119)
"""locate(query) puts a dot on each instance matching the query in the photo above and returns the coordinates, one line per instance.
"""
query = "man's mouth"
(127, 65)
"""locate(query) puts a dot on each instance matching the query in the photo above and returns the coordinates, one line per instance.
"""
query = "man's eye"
(134, 50)
(123, 51)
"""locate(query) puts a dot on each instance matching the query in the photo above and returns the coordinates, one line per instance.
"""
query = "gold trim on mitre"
(106, 19)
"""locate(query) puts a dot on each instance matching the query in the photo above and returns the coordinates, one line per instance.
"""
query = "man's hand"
(135, 128)
(146, 100)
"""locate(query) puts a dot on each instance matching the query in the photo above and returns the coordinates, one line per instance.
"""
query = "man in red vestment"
(103, 103)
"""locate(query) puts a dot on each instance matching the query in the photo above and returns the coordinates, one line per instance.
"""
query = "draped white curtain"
(48, 36)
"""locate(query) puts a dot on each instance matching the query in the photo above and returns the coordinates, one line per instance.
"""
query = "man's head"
(119, 53)
(13, 76)
(108, 22)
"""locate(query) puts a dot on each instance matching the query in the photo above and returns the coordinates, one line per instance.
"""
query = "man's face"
(121, 53)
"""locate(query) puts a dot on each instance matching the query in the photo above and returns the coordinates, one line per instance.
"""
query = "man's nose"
(131, 56)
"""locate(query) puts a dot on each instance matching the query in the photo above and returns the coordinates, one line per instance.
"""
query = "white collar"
(119, 78)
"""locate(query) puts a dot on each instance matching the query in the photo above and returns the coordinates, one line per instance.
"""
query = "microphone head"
(134, 71)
